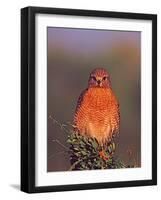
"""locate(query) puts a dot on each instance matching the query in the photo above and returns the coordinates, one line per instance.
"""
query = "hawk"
(97, 112)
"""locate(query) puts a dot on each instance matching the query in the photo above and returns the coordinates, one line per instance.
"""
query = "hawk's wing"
(117, 118)
(80, 100)
(118, 109)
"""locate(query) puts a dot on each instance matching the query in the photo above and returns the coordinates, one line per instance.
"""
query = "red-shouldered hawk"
(97, 113)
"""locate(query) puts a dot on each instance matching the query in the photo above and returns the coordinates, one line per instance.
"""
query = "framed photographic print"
(88, 99)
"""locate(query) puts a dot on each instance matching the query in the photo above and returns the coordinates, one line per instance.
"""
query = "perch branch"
(78, 161)
(55, 154)
(61, 126)
(58, 142)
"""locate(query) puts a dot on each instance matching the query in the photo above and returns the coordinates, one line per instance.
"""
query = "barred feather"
(97, 114)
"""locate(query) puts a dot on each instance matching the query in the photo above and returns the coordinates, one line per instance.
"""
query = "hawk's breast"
(97, 114)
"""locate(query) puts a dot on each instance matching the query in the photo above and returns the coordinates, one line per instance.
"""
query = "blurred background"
(72, 55)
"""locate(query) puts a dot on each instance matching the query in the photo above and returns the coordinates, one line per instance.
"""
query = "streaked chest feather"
(98, 115)
(97, 101)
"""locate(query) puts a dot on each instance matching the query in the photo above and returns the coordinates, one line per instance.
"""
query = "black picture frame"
(28, 98)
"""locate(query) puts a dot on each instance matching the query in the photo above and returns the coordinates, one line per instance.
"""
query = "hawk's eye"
(104, 78)
(94, 78)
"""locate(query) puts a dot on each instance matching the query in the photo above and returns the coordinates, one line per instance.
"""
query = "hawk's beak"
(98, 82)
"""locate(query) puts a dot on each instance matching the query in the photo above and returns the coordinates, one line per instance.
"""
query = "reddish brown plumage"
(97, 113)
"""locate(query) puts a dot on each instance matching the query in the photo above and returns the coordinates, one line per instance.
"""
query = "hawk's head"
(99, 77)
